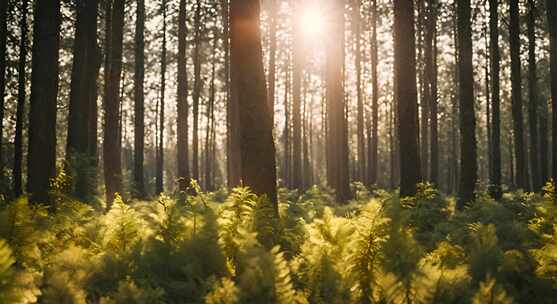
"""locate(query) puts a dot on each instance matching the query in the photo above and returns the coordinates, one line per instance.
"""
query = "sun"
(312, 21)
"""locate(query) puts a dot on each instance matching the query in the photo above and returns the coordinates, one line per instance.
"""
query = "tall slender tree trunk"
(552, 24)
(434, 150)
(182, 101)
(406, 95)
(468, 153)
(516, 96)
(533, 102)
(44, 92)
(423, 85)
(297, 73)
(3, 39)
(495, 178)
(21, 96)
(356, 24)
(248, 79)
(160, 154)
(139, 103)
(373, 157)
(209, 165)
(429, 97)
(84, 73)
(112, 147)
(197, 86)
(286, 133)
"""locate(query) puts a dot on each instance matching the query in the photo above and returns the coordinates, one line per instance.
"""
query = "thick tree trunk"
(406, 96)
(44, 91)
(552, 24)
(160, 154)
(516, 96)
(3, 36)
(248, 79)
(338, 176)
(197, 86)
(139, 103)
(182, 101)
(532, 94)
(83, 82)
(112, 146)
(468, 161)
(495, 177)
(21, 95)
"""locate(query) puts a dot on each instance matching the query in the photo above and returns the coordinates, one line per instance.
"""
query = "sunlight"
(312, 21)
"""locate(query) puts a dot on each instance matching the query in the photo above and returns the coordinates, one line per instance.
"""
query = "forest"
(278, 151)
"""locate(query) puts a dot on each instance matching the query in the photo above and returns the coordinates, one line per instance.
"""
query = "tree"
(430, 89)
(160, 153)
(83, 83)
(406, 96)
(44, 91)
(356, 24)
(182, 101)
(112, 147)
(552, 27)
(21, 95)
(248, 80)
(3, 35)
(197, 86)
(516, 96)
(468, 153)
(139, 103)
(532, 95)
(495, 174)
(373, 147)
(337, 132)
(297, 73)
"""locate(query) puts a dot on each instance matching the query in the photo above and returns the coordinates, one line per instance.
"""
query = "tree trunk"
(356, 23)
(83, 82)
(3, 36)
(373, 157)
(209, 165)
(336, 111)
(160, 154)
(197, 86)
(139, 104)
(297, 72)
(406, 96)
(286, 133)
(516, 96)
(44, 91)
(468, 161)
(21, 95)
(434, 151)
(182, 101)
(532, 94)
(112, 146)
(552, 24)
(248, 79)
(430, 97)
(495, 177)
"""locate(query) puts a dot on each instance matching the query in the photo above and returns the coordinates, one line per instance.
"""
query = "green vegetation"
(228, 248)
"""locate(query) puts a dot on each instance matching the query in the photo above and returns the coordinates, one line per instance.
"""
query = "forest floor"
(230, 248)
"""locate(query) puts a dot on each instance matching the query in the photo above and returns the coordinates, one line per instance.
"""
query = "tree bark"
(21, 95)
(552, 24)
(182, 101)
(297, 72)
(532, 94)
(495, 177)
(160, 154)
(356, 24)
(197, 86)
(516, 96)
(139, 102)
(3, 39)
(248, 79)
(430, 89)
(112, 147)
(44, 91)
(468, 153)
(373, 156)
(406, 96)
(83, 82)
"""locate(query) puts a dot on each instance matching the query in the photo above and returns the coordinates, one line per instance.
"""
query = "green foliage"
(203, 248)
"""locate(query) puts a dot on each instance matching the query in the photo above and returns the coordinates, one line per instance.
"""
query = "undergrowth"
(230, 248)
